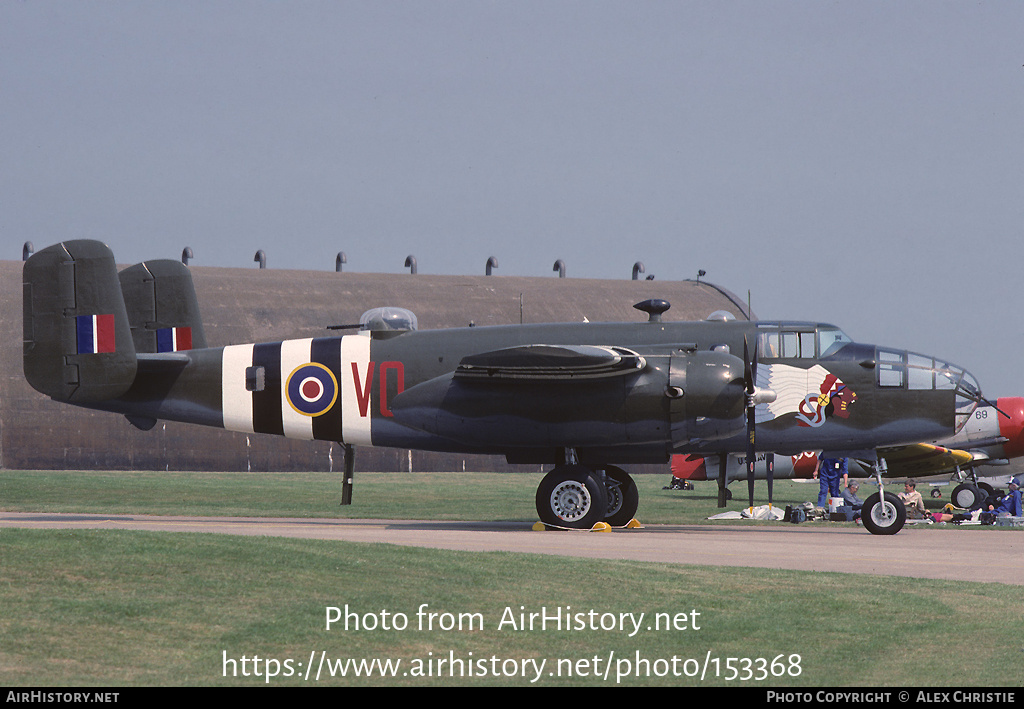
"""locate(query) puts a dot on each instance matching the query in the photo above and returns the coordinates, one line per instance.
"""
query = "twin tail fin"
(85, 325)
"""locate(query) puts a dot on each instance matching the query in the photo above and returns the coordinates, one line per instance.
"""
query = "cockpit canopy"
(799, 340)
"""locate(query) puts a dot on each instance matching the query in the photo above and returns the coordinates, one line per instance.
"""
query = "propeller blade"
(723, 460)
(983, 400)
(750, 473)
(770, 463)
(749, 372)
(350, 468)
(977, 398)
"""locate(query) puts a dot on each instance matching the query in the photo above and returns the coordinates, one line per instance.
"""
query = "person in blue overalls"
(829, 472)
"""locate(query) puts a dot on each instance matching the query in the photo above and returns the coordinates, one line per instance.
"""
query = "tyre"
(571, 496)
(623, 497)
(967, 496)
(883, 515)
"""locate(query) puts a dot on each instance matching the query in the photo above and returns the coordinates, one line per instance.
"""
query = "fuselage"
(684, 391)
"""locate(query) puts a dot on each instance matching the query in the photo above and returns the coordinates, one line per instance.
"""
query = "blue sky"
(853, 162)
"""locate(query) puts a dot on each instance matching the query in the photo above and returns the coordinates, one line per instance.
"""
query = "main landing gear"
(578, 497)
(970, 494)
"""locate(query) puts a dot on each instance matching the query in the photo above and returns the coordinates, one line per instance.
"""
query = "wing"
(923, 459)
(533, 396)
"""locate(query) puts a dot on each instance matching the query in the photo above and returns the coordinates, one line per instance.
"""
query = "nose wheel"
(883, 512)
(883, 515)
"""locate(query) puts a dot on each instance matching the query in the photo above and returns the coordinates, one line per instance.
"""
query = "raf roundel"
(312, 389)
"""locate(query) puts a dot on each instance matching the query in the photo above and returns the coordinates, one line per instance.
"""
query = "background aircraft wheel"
(883, 516)
(967, 496)
(623, 497)
(936, 492)
(571, 496)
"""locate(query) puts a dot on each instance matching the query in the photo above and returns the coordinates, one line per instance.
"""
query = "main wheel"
(623, 497)
(967, 496)
(571, 496)
(883, 516)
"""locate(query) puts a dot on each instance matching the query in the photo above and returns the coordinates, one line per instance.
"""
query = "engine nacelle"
(497, 403)
(707, 397)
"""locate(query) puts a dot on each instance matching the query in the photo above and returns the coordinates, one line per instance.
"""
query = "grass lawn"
(456, 496)
(117, 608)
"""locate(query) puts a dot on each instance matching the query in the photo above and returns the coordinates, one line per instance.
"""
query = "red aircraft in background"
(991, 438)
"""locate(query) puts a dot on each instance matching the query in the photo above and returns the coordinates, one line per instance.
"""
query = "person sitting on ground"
(850, 495)
(913, 500)
(1010, 506)
(851, 500)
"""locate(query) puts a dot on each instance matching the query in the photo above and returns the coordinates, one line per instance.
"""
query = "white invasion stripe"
(355, 428)
(294, 353)
(237, 401)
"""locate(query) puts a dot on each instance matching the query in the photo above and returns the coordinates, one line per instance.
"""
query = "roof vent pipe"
(638, 268)
(491, 263)
(560, 267)
(339, 260)
(261, 257)
(410, 263)
(186, 254)
(27, 250)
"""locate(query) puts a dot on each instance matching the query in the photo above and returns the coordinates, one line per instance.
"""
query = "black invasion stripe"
(266, 404)
(327, 351)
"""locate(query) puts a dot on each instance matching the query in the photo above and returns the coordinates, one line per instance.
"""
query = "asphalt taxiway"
(949, 553)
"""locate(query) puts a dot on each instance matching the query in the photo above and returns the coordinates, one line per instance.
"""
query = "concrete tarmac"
(961, 554)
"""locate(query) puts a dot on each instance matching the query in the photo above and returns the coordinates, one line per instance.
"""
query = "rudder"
(163, 310)
(77, 339)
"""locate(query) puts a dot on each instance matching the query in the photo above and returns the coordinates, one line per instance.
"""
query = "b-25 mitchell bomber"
(584, 398)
